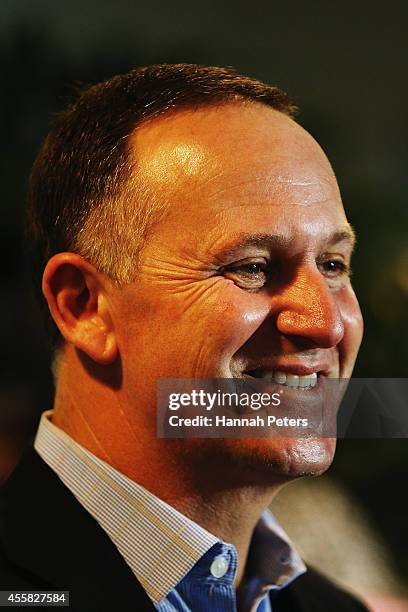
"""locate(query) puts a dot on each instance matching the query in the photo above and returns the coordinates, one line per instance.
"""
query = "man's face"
(246, 273)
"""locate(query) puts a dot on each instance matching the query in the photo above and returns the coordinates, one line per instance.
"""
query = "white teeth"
(313, 379)
(290, 380)
(279, 377)
(305, 381)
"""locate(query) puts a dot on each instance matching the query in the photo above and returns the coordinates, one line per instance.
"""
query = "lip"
(298, 369)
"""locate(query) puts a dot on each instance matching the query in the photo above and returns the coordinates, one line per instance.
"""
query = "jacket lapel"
(48, 534)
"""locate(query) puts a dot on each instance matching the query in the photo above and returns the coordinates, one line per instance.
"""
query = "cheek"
(237, 317)
(217, 316)
(198, 325)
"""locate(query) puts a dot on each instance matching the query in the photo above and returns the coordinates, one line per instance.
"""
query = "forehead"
(234, 165)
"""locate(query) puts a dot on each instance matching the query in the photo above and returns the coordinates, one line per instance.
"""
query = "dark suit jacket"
(49, 541)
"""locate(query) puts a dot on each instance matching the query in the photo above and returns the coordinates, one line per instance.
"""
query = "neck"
(203, 479)
(231, 514)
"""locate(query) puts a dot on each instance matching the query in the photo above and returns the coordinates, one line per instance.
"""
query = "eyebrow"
(271, 241)
(344, 235)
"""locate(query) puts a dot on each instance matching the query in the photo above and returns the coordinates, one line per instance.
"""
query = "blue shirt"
(180, 565)
(200, 591)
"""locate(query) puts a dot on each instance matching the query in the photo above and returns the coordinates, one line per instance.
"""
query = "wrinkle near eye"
(175, 268)
(189, 283)
(194, 292)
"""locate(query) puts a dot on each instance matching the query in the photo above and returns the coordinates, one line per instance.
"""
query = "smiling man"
(184, 226)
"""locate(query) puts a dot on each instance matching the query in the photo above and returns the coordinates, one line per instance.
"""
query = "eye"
(334, 268)
(252, 268)
(247, 274)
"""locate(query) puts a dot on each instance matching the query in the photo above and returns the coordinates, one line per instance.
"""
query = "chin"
(256, 461)
(278, 460)
(309, 456)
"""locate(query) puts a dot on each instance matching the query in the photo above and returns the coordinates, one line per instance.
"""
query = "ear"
(76, 297)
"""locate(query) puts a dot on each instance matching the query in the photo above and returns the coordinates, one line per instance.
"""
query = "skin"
(197, 310)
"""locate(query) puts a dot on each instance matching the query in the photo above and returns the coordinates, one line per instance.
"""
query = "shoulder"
(313, 592)
(49, 541)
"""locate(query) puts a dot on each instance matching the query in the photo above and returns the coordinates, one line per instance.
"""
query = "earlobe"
(75, 295)
(96, 336)
(110, 350)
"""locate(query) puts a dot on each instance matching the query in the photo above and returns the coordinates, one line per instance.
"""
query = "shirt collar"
(159, 544)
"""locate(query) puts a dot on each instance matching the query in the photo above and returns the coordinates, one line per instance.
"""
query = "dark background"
(345, 65)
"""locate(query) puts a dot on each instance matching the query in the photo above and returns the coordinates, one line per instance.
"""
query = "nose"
(308, 310)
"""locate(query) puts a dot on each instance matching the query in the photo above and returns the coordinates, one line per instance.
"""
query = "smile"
(289, 380)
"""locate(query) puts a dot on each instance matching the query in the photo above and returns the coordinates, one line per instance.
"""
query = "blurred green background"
(344, 64)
